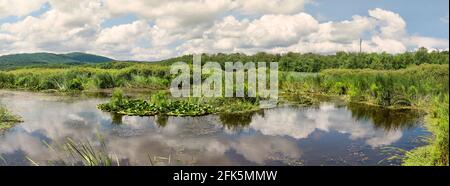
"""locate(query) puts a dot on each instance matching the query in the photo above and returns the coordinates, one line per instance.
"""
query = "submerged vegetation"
(7, 119)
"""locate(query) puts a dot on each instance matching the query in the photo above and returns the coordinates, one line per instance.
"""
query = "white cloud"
(56, 30)
(391, 24)
(168, 28)
(271, 7)
(190, 12)
(19, 7)
(347, 31)
(382, 31)
(173, 14)
(121, 40)
(428, 42)
(280, 30)
(387, 45)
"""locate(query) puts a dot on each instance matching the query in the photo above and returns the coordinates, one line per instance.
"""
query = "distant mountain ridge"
(30, 59)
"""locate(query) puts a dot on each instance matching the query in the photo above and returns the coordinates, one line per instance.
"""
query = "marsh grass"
(73, 152)
(7, 119)
(86, 78)
(412, 87)
(436, 152)
(80, 153)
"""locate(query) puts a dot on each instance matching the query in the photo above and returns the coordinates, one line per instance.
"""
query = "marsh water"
(325, 134)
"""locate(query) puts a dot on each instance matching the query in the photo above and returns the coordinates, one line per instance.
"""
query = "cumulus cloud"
(391, 24)
(56, 30)
(381, 30)
(175, 15)
(164, 29)
(272, 7)
(280, 30)
(428, 42)
(19, 7)
(122, 39)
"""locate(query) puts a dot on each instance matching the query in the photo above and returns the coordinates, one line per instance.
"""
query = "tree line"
(310, 62)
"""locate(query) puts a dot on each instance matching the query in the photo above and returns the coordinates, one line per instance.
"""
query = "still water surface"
(325, 134)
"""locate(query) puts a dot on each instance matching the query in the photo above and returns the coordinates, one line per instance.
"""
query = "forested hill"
(45, 59)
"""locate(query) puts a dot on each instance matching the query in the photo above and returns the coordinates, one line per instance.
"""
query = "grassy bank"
(424, 87)
(413, 87)
(132, 75)
(436, 152)
(7, 119)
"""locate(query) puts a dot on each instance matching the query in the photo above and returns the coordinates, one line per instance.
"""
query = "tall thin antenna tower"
(360, 45)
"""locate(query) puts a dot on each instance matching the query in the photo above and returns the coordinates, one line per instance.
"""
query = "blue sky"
(150, 29)
(422, 16)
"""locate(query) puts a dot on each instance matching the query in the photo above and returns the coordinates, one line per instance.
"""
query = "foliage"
(310, 62)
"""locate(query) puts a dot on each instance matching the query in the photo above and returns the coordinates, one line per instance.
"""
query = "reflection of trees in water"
(162, 120)
(240, 120)
(387, 119)
(116, 118)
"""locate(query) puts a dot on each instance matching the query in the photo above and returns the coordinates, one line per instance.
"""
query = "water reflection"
(384, 118)
(239, 121)
(324, 134)
(162, 120)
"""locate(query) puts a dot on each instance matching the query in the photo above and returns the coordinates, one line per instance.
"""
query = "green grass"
(75, 78)
(7, 119)
(410, 87)
(436, 152)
